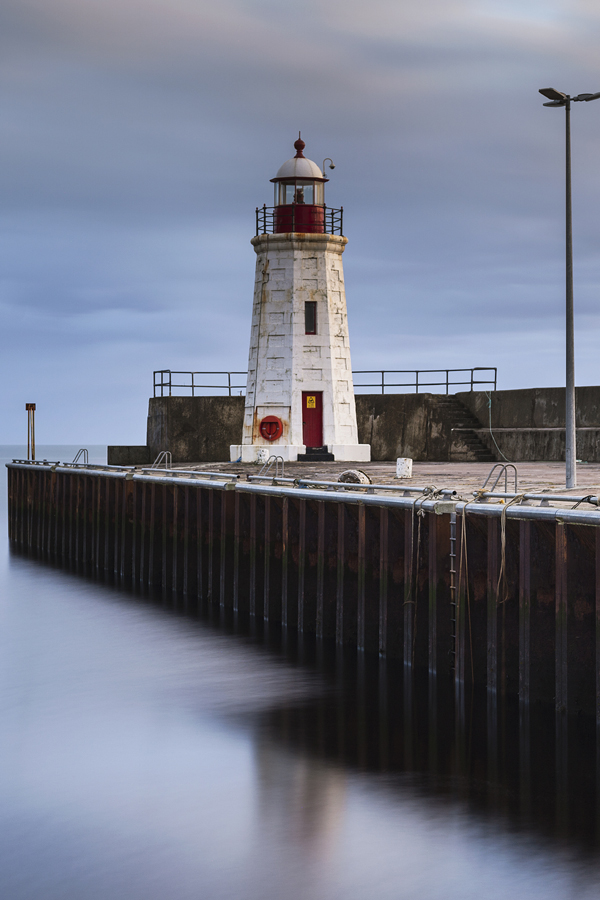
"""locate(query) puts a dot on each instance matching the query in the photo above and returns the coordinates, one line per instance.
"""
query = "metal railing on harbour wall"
(166, 381)
(418, 379)
(499, 595)
(381, 380)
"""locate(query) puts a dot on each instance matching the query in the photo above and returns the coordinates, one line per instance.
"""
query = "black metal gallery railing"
(382, 381)
(277, 219)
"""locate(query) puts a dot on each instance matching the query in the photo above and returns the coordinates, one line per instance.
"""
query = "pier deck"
(464, 477)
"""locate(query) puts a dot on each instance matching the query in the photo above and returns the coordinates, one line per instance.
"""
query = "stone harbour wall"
(527, 426)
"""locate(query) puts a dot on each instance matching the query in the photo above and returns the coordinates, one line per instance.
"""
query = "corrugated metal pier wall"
(507, 598)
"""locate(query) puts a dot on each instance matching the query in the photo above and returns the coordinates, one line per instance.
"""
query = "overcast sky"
(138, 136)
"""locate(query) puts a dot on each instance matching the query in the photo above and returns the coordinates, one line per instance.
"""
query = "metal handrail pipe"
(219, 476)
(340, 497)
(37, 462)
(95, 466)
(64, 470)
(198, 482)
(348, 486)
(214, 387)
(208, 476)
(66, 467)
(559, 498)
(397, 384)
(402, 371)
(552, 513)
(345, 485)
(274, 479)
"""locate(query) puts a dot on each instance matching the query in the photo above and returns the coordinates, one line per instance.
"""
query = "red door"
(312, 418)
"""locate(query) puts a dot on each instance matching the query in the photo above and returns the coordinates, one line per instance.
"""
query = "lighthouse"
(299, 393)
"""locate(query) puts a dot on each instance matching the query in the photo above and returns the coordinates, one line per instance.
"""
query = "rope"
(502, 572)
(420, 515)
(413, 575)
(489, 396)
(591, 498)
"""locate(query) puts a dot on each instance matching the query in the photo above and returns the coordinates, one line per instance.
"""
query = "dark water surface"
(149, 754)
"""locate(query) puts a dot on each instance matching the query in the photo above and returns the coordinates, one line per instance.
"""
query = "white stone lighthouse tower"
(299, 395)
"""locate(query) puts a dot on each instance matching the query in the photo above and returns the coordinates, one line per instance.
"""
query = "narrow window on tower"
(310, 317)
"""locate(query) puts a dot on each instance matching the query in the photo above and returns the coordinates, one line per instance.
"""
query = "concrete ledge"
(350, 452)
(542, 444)
(249, 452)
(131, 455)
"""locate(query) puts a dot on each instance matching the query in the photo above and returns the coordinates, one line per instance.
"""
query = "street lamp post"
(557, 98)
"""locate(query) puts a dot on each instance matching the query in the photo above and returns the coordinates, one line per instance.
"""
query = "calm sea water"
(148, 754)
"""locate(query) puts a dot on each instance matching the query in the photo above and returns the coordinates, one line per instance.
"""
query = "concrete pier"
(502, 596)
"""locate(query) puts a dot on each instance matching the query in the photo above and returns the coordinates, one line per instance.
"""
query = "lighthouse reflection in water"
(148, 753)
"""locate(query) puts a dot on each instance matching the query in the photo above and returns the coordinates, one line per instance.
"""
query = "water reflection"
(300, 797)
(506, 763)
(234, 762)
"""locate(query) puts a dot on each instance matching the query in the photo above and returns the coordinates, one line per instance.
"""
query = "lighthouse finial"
(299, 146)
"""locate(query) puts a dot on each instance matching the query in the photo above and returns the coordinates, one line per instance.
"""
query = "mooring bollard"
(403, 467)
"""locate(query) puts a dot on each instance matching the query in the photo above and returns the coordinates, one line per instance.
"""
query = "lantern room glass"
(299, 191)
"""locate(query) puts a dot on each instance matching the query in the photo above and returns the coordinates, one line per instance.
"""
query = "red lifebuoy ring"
(271, 428)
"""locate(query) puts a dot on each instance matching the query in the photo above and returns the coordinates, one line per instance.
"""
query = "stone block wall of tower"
(284, 361)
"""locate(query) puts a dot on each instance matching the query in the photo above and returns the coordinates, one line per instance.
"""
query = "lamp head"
(553, 94)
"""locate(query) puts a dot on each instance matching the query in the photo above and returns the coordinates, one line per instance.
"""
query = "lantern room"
(299, 195)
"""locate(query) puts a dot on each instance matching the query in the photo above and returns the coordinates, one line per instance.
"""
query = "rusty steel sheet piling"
(502, 597)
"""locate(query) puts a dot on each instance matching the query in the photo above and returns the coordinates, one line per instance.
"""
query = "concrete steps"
(316, 454)
(463, 424)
